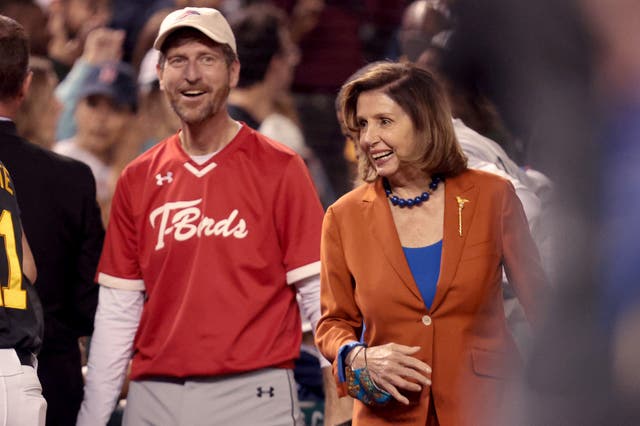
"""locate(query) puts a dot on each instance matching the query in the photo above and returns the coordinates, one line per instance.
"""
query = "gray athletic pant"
(265, 397)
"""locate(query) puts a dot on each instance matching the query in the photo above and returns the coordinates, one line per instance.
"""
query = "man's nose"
(192, 71)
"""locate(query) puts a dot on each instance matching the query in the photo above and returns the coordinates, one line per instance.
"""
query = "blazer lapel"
(378, 218)
(458, 191)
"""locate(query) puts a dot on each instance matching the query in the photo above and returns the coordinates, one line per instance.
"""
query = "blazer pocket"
(491, 364)
(486, 248)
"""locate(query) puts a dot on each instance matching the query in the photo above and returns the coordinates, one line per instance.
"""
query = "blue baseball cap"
(115, 80)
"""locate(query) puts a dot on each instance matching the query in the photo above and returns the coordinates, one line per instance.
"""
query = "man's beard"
(190, 115)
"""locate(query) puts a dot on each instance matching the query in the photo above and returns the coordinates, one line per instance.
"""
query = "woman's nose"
(367, 137)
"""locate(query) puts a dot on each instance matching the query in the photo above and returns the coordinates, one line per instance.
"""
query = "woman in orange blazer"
(412, 264)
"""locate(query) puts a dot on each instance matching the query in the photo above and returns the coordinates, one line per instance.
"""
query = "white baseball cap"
(208, 21)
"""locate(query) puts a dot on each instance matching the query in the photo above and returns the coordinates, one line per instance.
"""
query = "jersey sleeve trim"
(302, 272)
(121, 283)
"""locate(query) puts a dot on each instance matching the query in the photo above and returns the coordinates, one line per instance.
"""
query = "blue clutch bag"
(362, 387)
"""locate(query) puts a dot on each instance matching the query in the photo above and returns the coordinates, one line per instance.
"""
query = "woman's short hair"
(422, 98)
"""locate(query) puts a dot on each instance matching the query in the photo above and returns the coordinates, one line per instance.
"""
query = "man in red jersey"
(212, 233)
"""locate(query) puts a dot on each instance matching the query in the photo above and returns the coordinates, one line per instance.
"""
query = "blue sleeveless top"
(424, 263)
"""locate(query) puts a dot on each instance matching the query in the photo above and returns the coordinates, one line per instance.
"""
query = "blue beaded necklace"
(410, 202)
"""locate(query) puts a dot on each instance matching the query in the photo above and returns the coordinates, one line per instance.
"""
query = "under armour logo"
(160, 180)
(261, 392)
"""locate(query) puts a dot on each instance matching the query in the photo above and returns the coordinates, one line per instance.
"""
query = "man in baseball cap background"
(213, 232)
(114, 80)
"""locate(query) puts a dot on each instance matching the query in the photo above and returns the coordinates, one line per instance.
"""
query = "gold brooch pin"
(461, 202)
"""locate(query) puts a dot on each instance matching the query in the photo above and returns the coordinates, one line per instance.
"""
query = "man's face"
(196, 79)
(101, 124)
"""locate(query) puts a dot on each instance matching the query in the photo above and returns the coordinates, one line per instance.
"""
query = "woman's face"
(387, 133)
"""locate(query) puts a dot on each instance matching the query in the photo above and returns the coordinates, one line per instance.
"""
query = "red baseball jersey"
(215, 247)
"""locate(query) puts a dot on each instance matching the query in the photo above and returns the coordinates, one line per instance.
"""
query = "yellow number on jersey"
(13, 296)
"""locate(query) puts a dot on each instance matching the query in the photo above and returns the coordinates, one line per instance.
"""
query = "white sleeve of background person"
(530, 201)
(116, 323)
(486, 155)
(68, 92)
(309, 291)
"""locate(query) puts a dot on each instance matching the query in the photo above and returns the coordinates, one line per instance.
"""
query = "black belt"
(25, 357)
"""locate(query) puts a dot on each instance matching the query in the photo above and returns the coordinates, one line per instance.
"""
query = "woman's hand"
(392, 367)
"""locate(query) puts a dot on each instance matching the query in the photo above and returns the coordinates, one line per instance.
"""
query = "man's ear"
(26, 84)
(159, 71)
(234, 73)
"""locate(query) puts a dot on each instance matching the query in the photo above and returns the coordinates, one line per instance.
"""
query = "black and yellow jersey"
(21, 317)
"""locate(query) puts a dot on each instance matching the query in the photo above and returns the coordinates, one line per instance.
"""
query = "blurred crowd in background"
(556, 83)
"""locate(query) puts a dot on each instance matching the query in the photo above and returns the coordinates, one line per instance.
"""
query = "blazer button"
(426, 320)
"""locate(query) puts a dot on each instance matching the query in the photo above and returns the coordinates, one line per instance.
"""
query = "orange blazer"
(365, 279)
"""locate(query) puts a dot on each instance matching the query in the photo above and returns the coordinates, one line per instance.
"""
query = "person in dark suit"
(61, 216)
